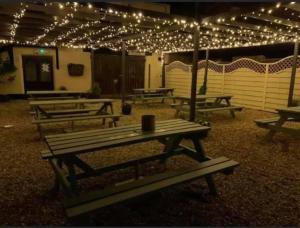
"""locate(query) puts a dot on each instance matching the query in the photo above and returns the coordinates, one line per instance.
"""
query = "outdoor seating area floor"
(263, 190)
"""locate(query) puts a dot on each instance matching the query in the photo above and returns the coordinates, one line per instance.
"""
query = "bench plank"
(236, 108)
(90, 196)
(158, 182)
(76, 118)
(270, 120)
(66, 111)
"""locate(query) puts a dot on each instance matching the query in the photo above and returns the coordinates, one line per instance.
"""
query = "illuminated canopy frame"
(83, 25)
(87, 26)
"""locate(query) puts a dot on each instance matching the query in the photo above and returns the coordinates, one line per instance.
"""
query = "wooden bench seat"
(269, 121)
(158, 97)
(73, 118)
(50, 98)
(147, 97)
(187, 105)
(69, 111)
(235, 108)
(92, 201)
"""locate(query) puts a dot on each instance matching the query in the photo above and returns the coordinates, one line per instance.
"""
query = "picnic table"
(64, 152)
(276, 124)
(43, 116)
(54, 94)
(220, 102)
(145, 94)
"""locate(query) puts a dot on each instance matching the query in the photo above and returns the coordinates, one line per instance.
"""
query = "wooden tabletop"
(295, 110)
(51, 92)
(94, 140)
(71, 101)
(198, 97)
(152, 89)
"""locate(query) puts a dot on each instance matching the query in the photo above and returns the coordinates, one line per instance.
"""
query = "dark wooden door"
(107, 72)
(38, 72)
(135, 73)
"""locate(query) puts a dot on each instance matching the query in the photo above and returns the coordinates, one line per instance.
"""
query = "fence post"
(265, 86)
(223, 75)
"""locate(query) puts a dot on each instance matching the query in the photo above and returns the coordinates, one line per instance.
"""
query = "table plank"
(71, 101)
(199, 97)
(295, 110)
(52, 92)
(152, 89)
(92, 133)
(135, 136)
(108, 137)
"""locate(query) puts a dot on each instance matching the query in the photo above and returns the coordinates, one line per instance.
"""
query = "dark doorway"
(107, 72)
(38, 72)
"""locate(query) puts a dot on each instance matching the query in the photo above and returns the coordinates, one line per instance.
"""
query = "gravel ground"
(264, 190)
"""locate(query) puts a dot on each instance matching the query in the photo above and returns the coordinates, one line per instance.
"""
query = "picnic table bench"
(42, 116)
(152, 94)
(276, 124)
(64, 150)
(204, 106)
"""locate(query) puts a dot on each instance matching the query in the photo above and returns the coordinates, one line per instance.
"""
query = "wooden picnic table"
(40, 112)
(144, 94)
(54, 94)
(43, 116)
(221, 102)
(64, 150)
(276, 124)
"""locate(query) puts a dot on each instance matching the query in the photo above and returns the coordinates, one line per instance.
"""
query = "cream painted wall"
(61, 76)
(155, 71)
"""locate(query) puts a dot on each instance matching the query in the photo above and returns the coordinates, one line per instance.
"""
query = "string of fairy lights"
(16, 20)
(154, 34)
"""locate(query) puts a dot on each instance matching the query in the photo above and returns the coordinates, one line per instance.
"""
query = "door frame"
(51, 69)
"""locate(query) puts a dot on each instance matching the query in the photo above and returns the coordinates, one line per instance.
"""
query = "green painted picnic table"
(42, 116)
(40, 112)
(64, 152)
(276, 124)
(220, 102)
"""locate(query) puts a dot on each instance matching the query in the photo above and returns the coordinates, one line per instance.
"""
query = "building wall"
(263, 86)
(155, 71)
(61, 76)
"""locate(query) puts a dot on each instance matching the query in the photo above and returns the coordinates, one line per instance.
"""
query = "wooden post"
(206, 71)
(92, 68)
(123, 72)
(194, 75)
(293, 74)
(149, 75)
(163, 75)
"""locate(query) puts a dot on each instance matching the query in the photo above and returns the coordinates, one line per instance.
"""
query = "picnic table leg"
(55, 189)
(178, 108)
(228, 105)
(279, 123)
(202, 157)
(170, 146)
(71, 175)
(39, 128)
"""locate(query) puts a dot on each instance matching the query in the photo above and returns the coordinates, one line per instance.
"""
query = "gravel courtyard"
(263, 190)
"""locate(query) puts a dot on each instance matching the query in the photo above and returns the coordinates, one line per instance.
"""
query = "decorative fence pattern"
(263, 86)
